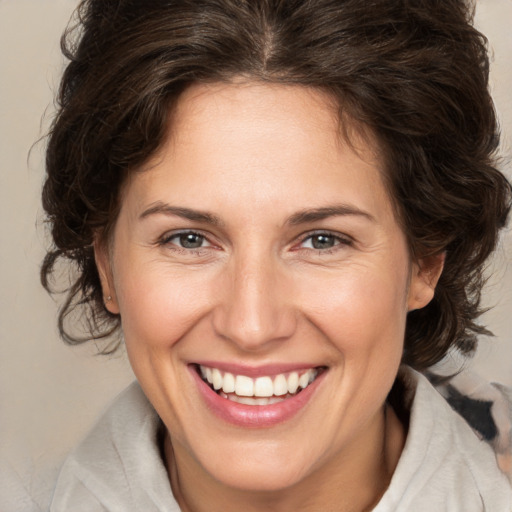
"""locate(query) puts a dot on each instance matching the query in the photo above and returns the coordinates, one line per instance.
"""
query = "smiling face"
(259, 252)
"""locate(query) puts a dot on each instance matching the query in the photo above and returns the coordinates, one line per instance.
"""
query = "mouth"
(263, 390)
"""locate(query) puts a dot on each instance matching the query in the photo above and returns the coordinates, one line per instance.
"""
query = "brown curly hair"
(414, 72)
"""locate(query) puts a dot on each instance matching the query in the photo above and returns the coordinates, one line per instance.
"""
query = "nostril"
(255, 330)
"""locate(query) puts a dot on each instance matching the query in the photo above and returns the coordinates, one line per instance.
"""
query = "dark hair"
(414, 72)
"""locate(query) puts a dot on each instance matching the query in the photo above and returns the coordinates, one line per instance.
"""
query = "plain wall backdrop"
(50, 393)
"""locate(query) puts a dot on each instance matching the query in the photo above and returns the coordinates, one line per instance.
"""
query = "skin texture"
(257, 292)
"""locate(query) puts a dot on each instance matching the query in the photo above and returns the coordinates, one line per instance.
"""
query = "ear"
(104, 266)
(425, 274)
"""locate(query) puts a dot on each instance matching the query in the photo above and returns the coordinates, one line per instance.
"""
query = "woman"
(279, 204)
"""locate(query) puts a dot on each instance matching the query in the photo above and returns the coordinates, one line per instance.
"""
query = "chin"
(250, 477)
(264, 466)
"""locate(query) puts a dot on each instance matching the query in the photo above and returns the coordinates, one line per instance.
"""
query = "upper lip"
(257, 371)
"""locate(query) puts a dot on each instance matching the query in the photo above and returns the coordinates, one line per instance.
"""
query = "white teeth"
(280, 385)
(229, 383)
(304, 380)
(260, 391)
(217, 379)
(263, 387)
(293, 382)
(244, 386)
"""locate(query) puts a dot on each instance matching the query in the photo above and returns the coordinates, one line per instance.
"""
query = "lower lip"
(255, 416)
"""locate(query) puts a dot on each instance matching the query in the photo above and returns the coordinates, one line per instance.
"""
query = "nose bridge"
(255, 309)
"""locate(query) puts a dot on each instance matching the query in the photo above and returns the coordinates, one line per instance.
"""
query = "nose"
(255, 306)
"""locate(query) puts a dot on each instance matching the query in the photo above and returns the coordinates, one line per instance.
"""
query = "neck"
(351, 481)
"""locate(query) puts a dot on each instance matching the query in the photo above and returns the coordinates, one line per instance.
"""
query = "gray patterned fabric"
(486, 407)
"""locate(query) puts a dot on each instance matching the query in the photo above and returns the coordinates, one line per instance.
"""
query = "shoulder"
(445, 465)
(118, 466)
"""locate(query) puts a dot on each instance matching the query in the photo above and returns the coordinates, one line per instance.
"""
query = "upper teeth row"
(262, 386)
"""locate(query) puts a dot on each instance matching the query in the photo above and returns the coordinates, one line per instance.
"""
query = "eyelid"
(328, 232)
(341, 238)
(169, 235)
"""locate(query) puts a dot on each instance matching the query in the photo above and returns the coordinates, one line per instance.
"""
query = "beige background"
(50, 393)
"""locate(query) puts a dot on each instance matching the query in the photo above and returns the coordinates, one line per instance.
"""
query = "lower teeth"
(247, 400)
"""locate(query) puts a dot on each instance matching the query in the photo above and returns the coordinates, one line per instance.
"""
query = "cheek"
(360, 310)
(157, 307)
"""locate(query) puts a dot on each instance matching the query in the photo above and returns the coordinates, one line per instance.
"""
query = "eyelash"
(166, 240)
(339, 242)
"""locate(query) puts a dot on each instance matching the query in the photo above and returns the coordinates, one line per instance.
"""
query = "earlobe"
(424, 278)
(104, 266)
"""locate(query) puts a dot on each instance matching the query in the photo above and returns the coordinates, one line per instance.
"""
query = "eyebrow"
(301, 217)
(179, 211)
(316, 214)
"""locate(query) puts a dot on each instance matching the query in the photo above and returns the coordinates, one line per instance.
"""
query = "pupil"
(191, 241)
(323, 241)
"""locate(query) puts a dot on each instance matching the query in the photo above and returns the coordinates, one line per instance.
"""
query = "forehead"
(258, 141)
(266, 107)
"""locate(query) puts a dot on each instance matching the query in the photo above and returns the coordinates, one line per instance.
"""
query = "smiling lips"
(263, 390)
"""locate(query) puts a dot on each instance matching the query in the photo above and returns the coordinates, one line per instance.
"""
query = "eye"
(187, 240)
(324, 241)
(320, 241)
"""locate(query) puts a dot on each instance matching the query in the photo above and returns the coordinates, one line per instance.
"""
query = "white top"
(444, 467)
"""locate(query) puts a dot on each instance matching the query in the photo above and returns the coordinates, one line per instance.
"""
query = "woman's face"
(261, 251)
